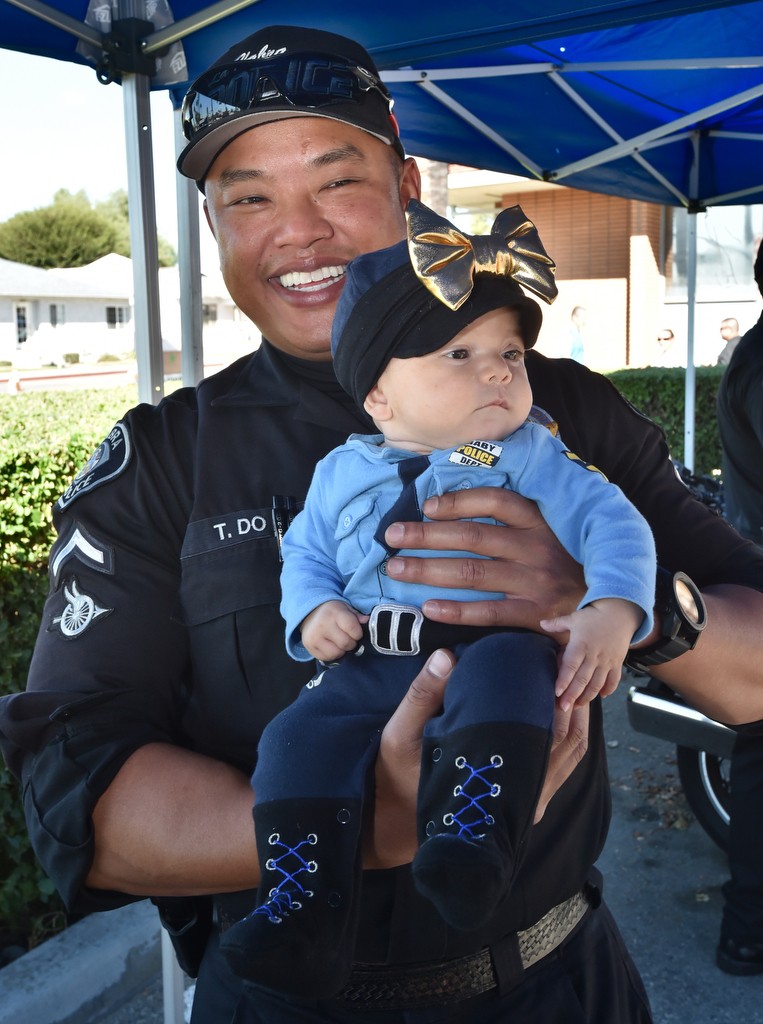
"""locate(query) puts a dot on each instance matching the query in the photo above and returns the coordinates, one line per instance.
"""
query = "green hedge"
(659, 393)
(45, 439)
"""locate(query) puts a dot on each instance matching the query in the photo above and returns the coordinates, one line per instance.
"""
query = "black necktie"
(406, 508)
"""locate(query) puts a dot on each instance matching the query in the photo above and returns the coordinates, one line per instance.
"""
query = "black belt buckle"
(396, 629)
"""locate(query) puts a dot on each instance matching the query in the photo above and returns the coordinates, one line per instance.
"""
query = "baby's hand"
(331, 630)
(592, 660)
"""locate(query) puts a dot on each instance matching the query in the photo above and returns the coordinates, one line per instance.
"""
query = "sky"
(67, 131)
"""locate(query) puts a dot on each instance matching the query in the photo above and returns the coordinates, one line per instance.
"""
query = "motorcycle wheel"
(705, 781)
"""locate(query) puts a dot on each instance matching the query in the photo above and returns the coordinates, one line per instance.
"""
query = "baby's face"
(473, 388)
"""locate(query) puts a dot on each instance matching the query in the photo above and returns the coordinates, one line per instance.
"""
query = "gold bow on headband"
(446, 260)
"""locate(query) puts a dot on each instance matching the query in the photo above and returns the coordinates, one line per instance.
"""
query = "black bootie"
(477, 800)
(299, 938)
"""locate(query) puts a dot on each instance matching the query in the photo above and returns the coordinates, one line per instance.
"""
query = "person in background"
(665, 341)
(730, 336)
(158, 662)
(575, 337)
(740, 422)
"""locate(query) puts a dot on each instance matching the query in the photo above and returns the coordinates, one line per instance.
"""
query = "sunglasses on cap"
(304, 80)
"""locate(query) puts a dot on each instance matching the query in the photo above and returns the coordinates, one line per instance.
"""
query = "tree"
(71, 232)
(117, 209)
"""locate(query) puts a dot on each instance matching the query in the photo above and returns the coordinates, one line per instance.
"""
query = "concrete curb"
(77, 977)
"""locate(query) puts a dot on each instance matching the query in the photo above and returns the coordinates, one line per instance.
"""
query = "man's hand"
(567, 751)
(525, 561)
(391, 840)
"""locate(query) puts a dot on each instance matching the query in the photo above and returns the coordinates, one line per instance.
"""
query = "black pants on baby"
(483, 765)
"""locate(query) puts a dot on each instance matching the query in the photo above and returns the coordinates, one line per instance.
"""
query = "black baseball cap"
(385, 311)
(277, 73)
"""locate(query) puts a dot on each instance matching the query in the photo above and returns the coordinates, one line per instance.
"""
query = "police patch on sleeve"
(80, 610)
(109, 459)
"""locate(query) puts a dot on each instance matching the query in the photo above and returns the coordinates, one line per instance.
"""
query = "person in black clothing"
(730, 335)
(740, 421)
(158, 661)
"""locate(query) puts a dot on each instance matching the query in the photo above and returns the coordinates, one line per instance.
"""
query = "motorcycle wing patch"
(79, 612)
(109, 459)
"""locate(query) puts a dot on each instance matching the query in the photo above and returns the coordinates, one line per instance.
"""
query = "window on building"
(727, 241)
(22, 324)
(117, 316)
(208, 313)
(57, 314)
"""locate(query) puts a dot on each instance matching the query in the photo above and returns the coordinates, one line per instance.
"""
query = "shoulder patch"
(109, 459)
(581, 462)
(543, 419)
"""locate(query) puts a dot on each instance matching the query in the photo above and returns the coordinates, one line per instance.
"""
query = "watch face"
(687, 601)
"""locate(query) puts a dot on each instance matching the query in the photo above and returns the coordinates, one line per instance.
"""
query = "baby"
(429, 337)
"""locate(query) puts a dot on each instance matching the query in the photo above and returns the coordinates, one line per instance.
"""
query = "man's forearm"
(723, 675)
(174, 823)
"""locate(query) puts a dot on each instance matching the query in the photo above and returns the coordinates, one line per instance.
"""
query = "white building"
(85, 314)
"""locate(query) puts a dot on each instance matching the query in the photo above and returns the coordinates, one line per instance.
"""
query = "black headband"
(396, 316)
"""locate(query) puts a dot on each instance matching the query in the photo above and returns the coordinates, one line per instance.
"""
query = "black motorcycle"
(703, 746)
(703, 750)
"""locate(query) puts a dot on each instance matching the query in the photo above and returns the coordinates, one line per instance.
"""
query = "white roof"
(109, 277)
(20, 281)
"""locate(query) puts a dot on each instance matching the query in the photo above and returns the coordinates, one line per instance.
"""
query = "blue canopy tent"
(660, 101)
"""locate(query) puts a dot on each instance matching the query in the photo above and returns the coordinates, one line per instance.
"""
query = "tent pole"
(691, 375)
(691, 299)
(189, 268)
(143, 249)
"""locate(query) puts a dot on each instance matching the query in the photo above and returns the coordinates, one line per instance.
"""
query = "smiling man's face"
(290, 204)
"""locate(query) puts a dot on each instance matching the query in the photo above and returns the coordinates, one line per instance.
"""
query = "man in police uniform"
(135, 735)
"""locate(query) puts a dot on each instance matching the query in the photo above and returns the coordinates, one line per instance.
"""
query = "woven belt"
(417, 986)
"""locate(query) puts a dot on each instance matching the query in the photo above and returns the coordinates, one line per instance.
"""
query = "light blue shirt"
(330, 552)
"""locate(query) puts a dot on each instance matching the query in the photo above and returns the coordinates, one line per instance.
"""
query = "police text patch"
(477, 453)
(109, 459)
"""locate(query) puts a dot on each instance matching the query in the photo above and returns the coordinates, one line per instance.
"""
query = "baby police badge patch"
(478, 453)
(108, 460)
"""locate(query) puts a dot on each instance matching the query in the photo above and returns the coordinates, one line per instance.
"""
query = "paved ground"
(663, 884)
(663, 878)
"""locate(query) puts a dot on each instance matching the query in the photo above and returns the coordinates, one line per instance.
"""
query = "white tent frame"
(674, 131)
(141, 184)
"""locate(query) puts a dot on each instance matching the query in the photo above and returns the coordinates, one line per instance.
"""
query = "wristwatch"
(682, 616)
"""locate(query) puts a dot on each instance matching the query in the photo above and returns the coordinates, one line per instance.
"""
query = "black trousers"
(589, 979)
(743, 893)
